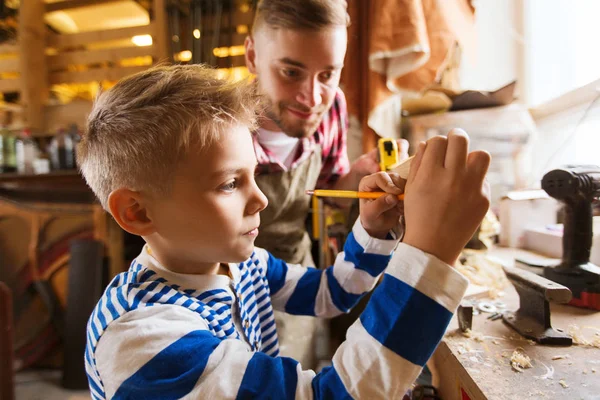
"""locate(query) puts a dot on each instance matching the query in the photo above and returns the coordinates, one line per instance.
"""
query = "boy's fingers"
(436, 153)
(378, 182)
(458, 149)
(416, 162)
(403, 147)
(398, 181)
(381, 205)
(478, 163)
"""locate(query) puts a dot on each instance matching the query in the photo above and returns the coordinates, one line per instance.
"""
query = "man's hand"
(379, 216)
(368, 163)
(446, 195)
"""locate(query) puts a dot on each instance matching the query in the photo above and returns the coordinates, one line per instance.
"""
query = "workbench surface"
(479, 366)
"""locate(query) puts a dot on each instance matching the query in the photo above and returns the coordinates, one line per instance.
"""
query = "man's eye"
(290, 73)
(325, 76)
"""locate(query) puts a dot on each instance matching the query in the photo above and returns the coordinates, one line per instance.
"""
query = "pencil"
(348, 194)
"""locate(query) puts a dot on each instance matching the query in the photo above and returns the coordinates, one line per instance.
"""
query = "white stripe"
(294, 273)
(370, 244)
(224, 372)
(324, 307)
(304, 387)
(352, 280)
(428, 275)
(115, 301)
(135, 338)
(369, 370)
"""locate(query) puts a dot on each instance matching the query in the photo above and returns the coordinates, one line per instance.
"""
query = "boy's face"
(212, 214)
(298, 72)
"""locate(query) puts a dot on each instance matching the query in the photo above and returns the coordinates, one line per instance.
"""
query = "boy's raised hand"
(379, 216)
(447, 195)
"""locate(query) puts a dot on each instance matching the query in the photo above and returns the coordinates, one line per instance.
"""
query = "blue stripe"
(146, 275)
(405, 320)
(173, 372)
(110, 307)
(373, 264)
(95, 330)
(174, 298)
(209, 293)
(343, 300)
(302, 301)
(269, 378)
(122, 301)
(94, 386)
(267, 326)
(187, 303)
(328, 385)
(270, 335)
(269, 347)
(100, 315)
(276, 272)
(159, 295)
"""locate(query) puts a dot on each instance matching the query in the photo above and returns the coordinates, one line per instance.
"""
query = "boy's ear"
(128, 208)
(250, 54)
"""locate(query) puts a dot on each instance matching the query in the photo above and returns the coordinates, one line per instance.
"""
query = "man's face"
(298, 72)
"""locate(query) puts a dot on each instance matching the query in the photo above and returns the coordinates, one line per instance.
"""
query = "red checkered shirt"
(330, 135)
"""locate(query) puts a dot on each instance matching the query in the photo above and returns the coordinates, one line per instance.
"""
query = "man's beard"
(300, 129)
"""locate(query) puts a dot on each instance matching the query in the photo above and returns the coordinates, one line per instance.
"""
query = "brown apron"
(282, 223)
(283, 233)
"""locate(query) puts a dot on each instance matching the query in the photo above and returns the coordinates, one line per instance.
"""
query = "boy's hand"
(446, 195)
(379, 216)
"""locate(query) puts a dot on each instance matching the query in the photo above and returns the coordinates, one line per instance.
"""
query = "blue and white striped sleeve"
(165, 352)
(327, 293)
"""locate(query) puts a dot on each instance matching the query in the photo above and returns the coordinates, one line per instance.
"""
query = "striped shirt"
(330, 135)
(156, 334)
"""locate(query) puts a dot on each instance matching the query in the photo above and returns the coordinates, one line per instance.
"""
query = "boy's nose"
(258, 202)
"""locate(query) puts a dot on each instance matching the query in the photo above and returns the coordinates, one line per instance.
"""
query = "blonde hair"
(139, 130)
(301, 14)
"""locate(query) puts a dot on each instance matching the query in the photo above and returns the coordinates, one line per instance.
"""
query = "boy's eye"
(229, 186)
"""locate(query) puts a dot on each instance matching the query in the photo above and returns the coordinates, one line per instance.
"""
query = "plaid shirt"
(330, 135)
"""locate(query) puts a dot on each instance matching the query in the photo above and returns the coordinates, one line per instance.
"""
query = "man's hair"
(140, 129)
(301, 14)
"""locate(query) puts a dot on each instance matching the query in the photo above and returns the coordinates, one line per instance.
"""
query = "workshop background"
(522, 77)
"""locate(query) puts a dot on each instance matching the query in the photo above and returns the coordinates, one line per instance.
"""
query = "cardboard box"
(521, 210)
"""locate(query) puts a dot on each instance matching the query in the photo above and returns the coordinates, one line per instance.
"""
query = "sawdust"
(560, 357)
(593, 370)
(563, 383)
(520, 361)
(495, 342)
(480, 270)
(580, 338)
(477, 336)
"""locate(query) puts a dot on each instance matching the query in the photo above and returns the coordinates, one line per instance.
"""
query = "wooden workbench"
(468, 368)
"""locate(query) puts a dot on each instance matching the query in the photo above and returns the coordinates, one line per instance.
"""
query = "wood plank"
(161, 31)
(97, 56)
(9, 65)
(9, 48)
(70, 4)
(92, 75)
(60, 115)
(33, 68)
(79, 39)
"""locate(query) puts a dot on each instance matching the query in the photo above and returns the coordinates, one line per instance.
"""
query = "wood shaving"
(579, 338)
(593, 370)
(480, 270)
(563, 383)
(560, 357)
(532, 342)
(477, 336)
(520, 361)
(585, 371)
(495, 342)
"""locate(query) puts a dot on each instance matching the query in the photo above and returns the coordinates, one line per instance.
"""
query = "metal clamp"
(532, 319)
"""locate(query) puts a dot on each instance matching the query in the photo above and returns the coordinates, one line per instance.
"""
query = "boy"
(168, 152)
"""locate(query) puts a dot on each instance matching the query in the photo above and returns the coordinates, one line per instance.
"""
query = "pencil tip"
(310, 192)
